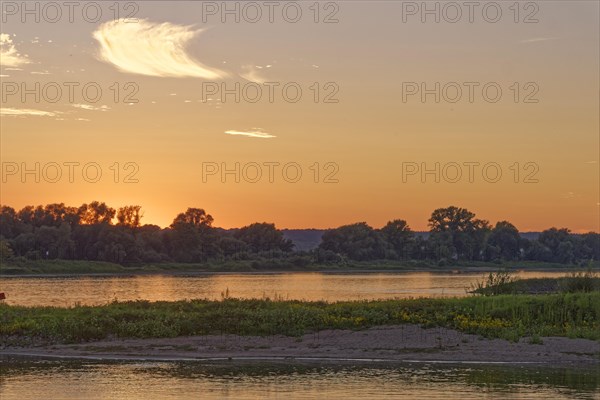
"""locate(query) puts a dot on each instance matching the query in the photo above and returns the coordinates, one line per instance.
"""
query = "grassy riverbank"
(70, 267)
(575, 315)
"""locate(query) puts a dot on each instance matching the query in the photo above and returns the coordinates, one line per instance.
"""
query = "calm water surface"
(67, 291)
(160, 380)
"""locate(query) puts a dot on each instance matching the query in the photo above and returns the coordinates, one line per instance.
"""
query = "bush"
(583, 281)
(495, 283)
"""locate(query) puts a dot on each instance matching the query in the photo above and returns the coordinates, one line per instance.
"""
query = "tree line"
(98, 232)
(457, 235)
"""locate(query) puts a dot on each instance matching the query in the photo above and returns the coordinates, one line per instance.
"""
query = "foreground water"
(94, 290)
(161, 380)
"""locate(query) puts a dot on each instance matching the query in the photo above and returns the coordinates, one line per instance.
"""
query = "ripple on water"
(67, 380)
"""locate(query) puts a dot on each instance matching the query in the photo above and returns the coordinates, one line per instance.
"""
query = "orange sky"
(359, 140)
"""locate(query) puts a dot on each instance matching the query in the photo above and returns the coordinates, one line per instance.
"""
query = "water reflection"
(77, 380)
(94, 290)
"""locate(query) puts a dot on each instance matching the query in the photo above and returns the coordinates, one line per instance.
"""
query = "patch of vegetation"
(536, 339)
(574, 315)
(583, 281)
(495, 283)
(504, 282)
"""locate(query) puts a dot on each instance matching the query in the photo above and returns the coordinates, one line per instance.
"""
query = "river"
(68, 380)
(96, 290)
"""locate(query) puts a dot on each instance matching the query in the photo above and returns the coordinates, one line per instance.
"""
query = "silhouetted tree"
(263, 237)
(6, 252)
(232, 247)
(192, 238)
(400, 237)
(587, 246)
(53, 242)
(196, 217)
(558, 241)
(95, 213)
(468, 233)
(9, 222)
(357, 241)
(130, 216)
(506, 241)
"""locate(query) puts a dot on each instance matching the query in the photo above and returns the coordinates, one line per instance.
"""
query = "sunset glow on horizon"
(388, 117)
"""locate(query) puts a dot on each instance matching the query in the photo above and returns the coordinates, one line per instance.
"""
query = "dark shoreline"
(49, 268)
(274, 360)
(346, 271)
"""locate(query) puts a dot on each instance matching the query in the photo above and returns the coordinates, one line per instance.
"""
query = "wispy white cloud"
(9, 56)
(153, 49)
(570, 195)
(90, 107)
(538, 39)
(253, 74)
(19, 112)
(254, 132)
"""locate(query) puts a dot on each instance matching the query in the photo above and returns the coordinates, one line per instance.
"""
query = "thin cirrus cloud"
(538, 39)
(153, 49)
(254, 132)
(252, 74)
(21, 112)
(9, 56)
(89, 107)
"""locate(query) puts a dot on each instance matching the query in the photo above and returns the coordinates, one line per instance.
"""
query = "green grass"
(574, 315)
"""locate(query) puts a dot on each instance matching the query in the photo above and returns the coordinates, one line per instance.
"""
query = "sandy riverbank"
(402, 343)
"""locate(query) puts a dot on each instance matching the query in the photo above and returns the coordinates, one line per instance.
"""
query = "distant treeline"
(88, 232)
